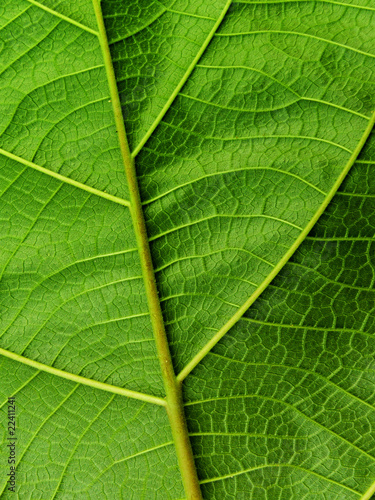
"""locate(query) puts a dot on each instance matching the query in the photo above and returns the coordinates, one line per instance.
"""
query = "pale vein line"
(24, 384)
(307, 35)
(81, 261)
(279, 82)
(221, 250)
(241, 311)
(178, 295)
(188, 72)
(329, 2)
(188, 14)
(276, 108)
(298, 368)
(366, 117)
(19, 56)
(54, 124)
(262, 216)
(144, 452)
(101, 358)
(118, 320)
(61, 77)
(250, 137)
(66, 180)
(67, 267)
(239, 66)
(12, 182)
(308, 327)
(71, 112)
(148, 398)
(141, 28)
(344, 238)
(290, 406)
(358, 195)
(14, 18)
(206, 176)
(229, 476)
(44, 421)
(254, 434)
(24, 237)
(79, 438)
(341, 284)
(60, 306)
(64, 18)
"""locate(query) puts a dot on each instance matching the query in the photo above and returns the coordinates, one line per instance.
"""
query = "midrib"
(173, 390)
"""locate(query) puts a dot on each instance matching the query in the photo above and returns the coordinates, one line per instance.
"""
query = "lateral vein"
(77, 444)
(229, 216)
(228, 476)
(64, 18)
(329, 2)
(307, 35)
(183, 80)
(240, 312)
(67, 180)
(293, 408)
(276, 108)
(228, 172)
(148, 398)
(327, 380)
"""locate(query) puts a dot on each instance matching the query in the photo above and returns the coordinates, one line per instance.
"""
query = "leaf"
(228, 270)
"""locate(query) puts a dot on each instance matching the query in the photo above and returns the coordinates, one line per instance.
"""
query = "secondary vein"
(183, 80)
(308, 35)
(240, 312)
(148, 398)
(67, 180)
(64, 18)
(228, 476)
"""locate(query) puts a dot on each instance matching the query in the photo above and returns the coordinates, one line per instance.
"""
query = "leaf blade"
(258, 133)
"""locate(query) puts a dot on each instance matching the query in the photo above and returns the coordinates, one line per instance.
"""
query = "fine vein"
(296, 33)
(148, 398)
(239, 313)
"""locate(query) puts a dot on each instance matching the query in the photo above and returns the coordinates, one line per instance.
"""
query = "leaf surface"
(245, 119)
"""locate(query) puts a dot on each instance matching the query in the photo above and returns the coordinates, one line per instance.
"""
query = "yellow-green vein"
(174, 403)
(239, 313)
(67, 180)
(148, 398)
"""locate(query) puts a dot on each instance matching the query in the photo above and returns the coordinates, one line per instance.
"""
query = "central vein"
(174, 403)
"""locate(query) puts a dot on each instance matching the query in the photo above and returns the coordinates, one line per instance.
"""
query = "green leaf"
(187, 249)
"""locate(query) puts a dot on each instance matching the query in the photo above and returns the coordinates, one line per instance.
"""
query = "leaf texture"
(245, 119)
(298, 369)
